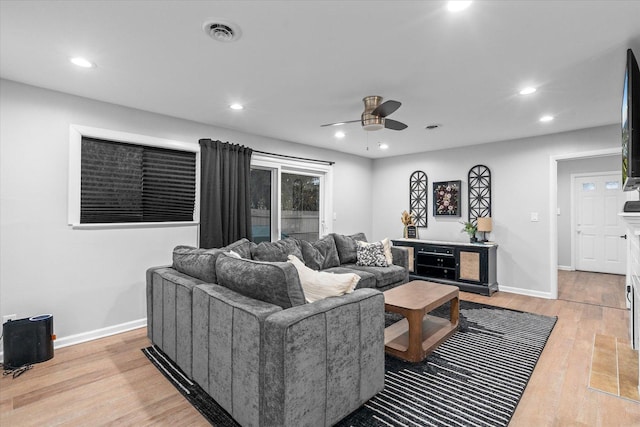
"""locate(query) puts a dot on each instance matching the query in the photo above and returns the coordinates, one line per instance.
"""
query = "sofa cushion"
(311, 256)
(273, 282)
(346, 246)
(196, 262)
(384, 276)
(276, 251)
(370, 254)
(327, 247)
(367, 280)
(318, 285)
(201, 263)
(242, 247)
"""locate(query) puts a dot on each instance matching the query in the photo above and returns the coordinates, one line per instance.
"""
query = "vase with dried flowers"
(407, 220)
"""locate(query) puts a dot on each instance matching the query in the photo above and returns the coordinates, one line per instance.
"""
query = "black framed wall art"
(479, 193)
(446, 198)
(418, 187)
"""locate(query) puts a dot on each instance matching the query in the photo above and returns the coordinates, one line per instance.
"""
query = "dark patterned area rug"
(476, 377)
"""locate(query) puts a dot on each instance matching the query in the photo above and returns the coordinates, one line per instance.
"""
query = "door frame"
(574, 250)
(553, 208)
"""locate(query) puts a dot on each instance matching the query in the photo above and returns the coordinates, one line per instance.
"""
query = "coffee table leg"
(454, 310)
(414, 352)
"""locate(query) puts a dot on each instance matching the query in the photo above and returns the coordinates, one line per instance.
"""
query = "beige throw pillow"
(318, 285)
(387, 250)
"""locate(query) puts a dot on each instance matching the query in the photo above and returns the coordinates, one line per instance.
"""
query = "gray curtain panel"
(225, 207)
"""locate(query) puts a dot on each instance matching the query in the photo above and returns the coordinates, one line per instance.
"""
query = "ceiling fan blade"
(386, 108)
(339, 123)
(394, 124)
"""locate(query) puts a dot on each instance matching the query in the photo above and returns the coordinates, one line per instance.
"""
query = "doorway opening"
(568, 283)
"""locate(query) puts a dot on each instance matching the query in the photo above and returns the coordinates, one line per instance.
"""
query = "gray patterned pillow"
(370, 254)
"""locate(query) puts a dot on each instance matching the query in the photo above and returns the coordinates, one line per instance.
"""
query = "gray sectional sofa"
(235, 320)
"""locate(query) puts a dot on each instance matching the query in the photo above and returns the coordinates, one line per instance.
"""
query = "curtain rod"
(330, 163)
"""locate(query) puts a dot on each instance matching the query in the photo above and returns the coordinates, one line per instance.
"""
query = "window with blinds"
(129, 183)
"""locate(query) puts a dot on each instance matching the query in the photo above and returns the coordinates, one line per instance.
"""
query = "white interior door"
(600, 232)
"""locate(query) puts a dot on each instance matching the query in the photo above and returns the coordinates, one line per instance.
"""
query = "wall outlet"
(8, 317)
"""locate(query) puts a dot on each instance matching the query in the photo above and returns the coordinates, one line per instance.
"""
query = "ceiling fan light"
(371, 122)
(372, 127)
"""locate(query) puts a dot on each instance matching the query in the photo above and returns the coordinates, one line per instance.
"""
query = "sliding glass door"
(300, 206)
(289, 199)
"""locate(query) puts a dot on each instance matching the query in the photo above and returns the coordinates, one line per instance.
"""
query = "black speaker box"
(27, 341)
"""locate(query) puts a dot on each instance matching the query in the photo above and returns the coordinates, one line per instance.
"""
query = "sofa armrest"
(400, 256)
(323, 360)
(169, 313)
(227, 355)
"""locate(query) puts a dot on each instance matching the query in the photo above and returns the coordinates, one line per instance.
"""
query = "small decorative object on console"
(484, 226)
(470, 228)
(407, 220)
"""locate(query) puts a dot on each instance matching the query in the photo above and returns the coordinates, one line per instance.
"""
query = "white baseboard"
(95, 334)
(527, 292)
(566, 268)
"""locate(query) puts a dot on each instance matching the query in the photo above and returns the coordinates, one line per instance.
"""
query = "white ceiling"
(299, 64)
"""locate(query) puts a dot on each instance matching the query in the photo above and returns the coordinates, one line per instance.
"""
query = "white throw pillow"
(318, 285)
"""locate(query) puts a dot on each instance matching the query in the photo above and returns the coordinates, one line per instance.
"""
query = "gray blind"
(133, 183)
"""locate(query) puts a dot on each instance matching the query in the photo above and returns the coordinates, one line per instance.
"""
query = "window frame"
(277, 166)
(77, 132)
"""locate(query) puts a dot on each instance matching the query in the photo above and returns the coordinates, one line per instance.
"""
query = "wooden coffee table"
(418, 334)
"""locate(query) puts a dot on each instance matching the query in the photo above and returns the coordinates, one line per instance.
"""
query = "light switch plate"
(534, 216)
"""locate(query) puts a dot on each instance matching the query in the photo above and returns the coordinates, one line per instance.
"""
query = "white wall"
(520, 172)
(93, 281)
(565, 169)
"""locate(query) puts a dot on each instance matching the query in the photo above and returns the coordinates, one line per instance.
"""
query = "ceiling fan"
(375, 115)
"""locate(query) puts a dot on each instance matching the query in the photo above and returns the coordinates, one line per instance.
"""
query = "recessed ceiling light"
(236, 106)
(528, 90)
(82, 62)
(339, 134)
(382, 146)
(546, 118)
(457, 5)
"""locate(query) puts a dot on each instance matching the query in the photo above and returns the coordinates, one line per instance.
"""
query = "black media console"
(470, 266)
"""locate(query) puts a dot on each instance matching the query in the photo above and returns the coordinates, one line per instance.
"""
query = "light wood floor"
(110, 381)
(592, 288)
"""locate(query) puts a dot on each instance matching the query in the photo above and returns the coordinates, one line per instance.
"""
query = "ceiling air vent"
(222, 31)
